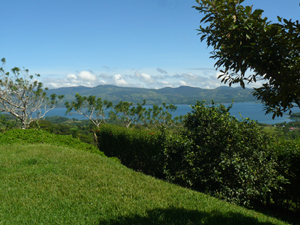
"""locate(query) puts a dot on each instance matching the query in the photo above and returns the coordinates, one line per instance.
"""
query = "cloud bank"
(157, 78)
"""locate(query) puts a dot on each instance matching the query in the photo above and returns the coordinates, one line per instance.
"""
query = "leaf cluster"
(244, 41)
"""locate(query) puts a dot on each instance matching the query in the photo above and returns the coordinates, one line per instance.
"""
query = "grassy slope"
(46, 184)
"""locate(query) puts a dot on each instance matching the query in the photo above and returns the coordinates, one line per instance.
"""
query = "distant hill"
(180, 95)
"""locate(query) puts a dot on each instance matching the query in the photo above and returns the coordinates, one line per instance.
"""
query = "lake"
(251, 110)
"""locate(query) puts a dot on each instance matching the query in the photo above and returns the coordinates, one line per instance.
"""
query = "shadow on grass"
(174, 216)
(279, 213)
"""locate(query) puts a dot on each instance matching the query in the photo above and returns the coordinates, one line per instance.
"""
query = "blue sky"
(135, 43)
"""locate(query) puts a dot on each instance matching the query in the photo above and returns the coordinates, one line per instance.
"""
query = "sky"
(130, 43)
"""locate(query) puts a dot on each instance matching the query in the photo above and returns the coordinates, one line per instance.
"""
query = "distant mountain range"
(180, 95)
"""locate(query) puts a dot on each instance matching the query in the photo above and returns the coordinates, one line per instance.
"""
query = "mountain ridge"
(178, 95)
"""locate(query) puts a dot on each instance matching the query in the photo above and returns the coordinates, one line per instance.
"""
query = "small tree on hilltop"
(23, 96)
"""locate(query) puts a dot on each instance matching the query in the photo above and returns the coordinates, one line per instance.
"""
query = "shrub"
(288, 164)
(222, 156)
(141, 150)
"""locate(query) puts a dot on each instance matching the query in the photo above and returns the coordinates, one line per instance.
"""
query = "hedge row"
(141, 150)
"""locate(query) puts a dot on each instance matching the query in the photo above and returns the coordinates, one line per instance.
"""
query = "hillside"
(46, 184)
(180, 95)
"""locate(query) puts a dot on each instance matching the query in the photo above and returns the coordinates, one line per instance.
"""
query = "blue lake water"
(251, 110)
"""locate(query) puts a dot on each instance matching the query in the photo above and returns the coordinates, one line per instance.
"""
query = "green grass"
(33, 136)
(48, 184)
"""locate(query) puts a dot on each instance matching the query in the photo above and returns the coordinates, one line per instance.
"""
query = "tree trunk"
(96, 139)
(23, 122)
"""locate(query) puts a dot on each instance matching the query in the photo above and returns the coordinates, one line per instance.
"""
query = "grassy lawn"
(46, 184)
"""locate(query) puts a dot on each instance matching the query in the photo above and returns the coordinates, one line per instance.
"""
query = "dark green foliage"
(288, 164)
(248, 48)
(139, 149)
(42, 124)
(58, 119)
(81, 130)
(215, 153)
(222, 156)
(7, 123)
(32, 136)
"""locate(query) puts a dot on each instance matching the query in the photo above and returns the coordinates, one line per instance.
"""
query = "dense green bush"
(141, 150)
(222, 156)
(288, 164)
(215, 153)
(38, 136)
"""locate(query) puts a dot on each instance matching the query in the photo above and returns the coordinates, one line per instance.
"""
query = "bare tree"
(23, 96)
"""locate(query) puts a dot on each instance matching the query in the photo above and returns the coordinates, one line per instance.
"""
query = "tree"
(162, 115)
(244, 42)
(127, 113)
(23, 96)
(90, 107)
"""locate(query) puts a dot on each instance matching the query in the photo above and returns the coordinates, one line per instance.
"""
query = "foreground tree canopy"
(249, 48)
(23, 96)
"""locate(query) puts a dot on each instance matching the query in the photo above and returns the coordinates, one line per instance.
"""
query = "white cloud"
(58, 84)
(182, 83)
(71, 77)
(138, 78)
(53, 85)
(143, 77)
(86, 75)
(146, 77)
(119, 81)
(84, 78)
